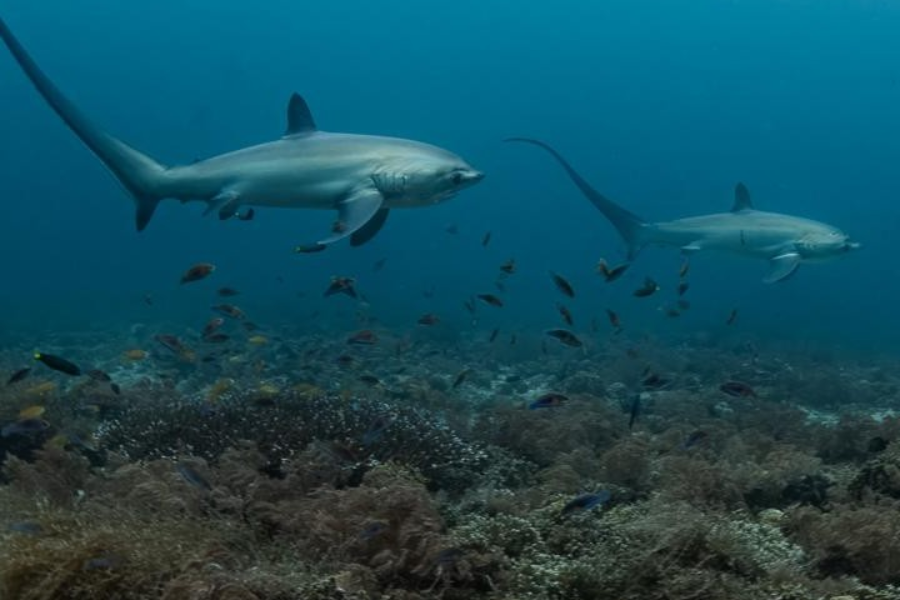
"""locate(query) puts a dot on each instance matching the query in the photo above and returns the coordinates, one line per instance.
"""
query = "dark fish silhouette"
(198, 272)
(58, 363)
(566, 337)
(18, 376)
(562, 284)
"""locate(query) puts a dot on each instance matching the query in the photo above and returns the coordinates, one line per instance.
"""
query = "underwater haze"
(494, 398)
(663, 106)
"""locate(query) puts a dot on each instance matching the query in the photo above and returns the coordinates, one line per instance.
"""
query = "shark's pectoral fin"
(372, 227)
(782, 266)
(354, 213)
(222, 201)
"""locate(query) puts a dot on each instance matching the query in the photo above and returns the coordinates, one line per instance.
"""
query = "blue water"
(663, 105)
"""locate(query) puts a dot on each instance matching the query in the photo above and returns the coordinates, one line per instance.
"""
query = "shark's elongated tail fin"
(141, 175)
(629, 225)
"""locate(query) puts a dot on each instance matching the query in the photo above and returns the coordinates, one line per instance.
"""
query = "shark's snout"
(472, 176)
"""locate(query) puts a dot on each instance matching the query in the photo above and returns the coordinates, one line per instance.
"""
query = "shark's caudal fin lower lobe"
(629, 225)
(139, 174)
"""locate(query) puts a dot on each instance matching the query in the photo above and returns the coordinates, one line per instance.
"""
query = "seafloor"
(309, 468)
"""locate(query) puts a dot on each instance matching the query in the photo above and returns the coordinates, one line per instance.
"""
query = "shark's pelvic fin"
(629, 225)
(299, 118)
(372, 227)
(139, 174)
(354, 212)
(782, 266)
(741, 198)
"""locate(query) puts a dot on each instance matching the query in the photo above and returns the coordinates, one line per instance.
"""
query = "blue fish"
(25, 427)
(693, 439)
(586, 502)
(25, 528)
(192, 477)
(550, 400)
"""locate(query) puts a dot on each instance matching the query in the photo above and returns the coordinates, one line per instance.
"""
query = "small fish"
(365, 337)
(377, 428)
(230, 310)
(212, 326)
(32, 412)
(148, 299)
(190, 475)
(491, 300)
(370, 380)
(116, 388)
(135, 354)
(379, 264)
(460, 378)
(653, 381)
(58, 364)
(562, 285)
(42, 389)
(649, 288)
(344, 360)
(682, 287)
(610, 274)
(25, 427)
(586, 502)
(247, 215)
(429, 319)
(105, 562)
(257, 340)
(566, 315)
(216, 338)
(470, 306)
(493, 336)
(486, 239)
(685, 267)
(452, 229)
(227, 292)
(170, 342)
(614, 319)
(448, 557)
(549, 400)
(732, 317)
(671, 312)
(373, 529)
(18, 376)
(513, 338)
(566, 337)
(198, 272)
(693, 439)
(98, 375)
(509, 267)
(309, 248)
(25, 528)
(634, 411)
(342, 285)
(737, 389)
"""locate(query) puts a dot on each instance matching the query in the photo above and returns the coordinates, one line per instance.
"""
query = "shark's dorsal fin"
(299, 118)
(741, 198)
